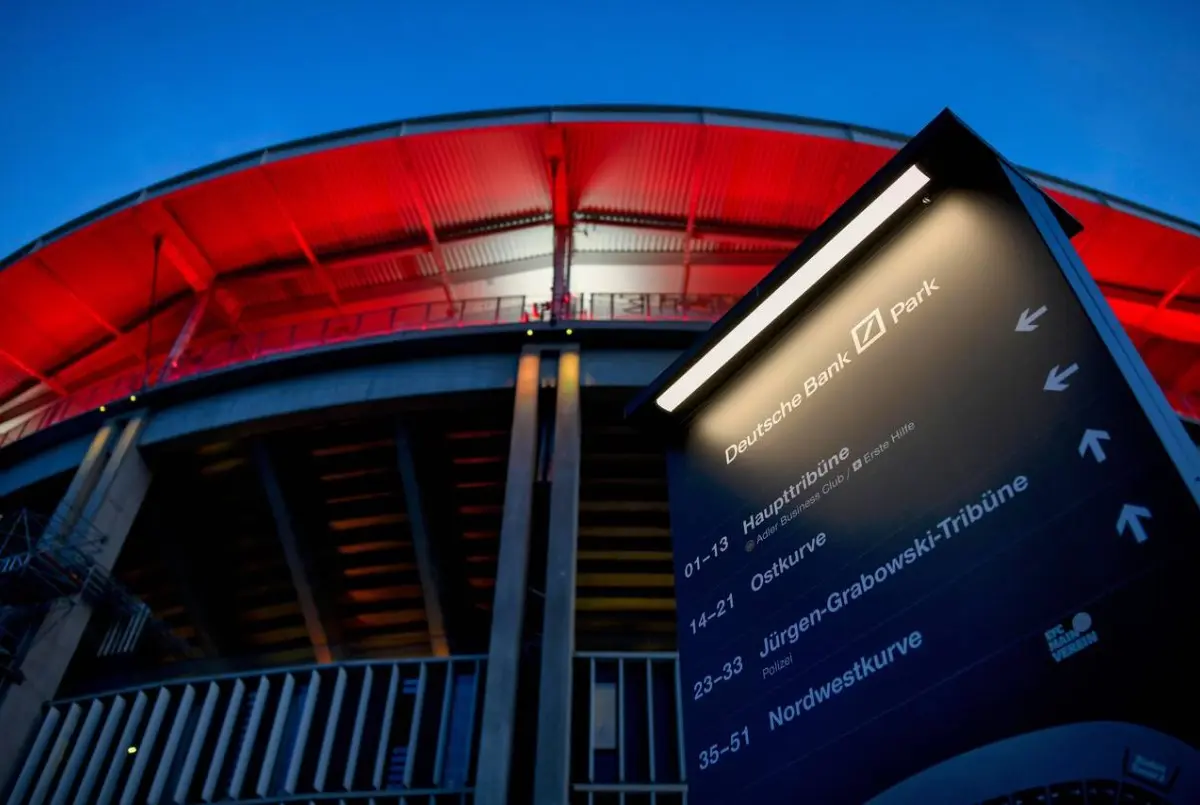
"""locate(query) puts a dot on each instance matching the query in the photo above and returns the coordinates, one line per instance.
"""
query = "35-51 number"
(712, 755)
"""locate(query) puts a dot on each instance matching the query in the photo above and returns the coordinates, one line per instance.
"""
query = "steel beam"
(552, 776)
(120, 337)
(426, 555)
(693, 203)
(314, 622)
(508, 603)
(106, 340)
(417, 196)
(318, 268)
(186, 333)
(156, 218)
(1160, 308)
(560, 207)
(91, 312)
(399, 247)
(560, 302)
(45, 379)
(767, 237)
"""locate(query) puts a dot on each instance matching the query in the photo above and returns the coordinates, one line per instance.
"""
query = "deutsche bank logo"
(868, 331)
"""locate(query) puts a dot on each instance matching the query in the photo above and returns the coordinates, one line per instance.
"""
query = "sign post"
(935, 527)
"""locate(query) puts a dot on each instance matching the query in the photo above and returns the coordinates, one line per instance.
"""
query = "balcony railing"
(248, 347)
(627, 731)
(347, 732)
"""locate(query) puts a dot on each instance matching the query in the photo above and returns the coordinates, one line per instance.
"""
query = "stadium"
(314, 472)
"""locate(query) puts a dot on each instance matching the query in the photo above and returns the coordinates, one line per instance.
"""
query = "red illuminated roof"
(455, 218)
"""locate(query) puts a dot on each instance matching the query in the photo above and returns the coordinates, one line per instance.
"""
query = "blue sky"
(102, 98)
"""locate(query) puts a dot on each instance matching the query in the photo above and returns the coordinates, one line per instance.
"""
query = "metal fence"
(345, 732)
(650, 307)
(211, 355)
(627, 731)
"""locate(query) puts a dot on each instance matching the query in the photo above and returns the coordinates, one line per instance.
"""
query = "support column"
(552, 778)
(508, 603)
(560, 306)
(427, 564)
(103, 498)
(299, 569)
(117, 498)
(68, 511)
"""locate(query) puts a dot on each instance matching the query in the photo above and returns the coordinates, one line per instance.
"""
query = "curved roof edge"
(623, 113)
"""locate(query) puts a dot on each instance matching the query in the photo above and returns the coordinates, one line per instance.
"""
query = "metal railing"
(211, 355)
(344, 732)
(627, 733)
(650, 307)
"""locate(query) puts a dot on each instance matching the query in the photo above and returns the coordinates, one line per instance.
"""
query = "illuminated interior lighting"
(103, 408)
(794, 287)
(569, 331)
(133, 398)
(132, 750)
(529, 332)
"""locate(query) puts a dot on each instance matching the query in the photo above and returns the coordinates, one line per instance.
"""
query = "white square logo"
(868, 331)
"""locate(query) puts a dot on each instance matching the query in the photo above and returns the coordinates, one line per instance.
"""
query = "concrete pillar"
(103, 499)
(299, 565)
(424, 549)
(508, 604)
(552, 777)
(68, 511)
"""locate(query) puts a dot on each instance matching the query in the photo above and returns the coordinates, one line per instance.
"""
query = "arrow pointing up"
(1131, 520)
(1025, 324)
(1055, 381)
(1091, 441)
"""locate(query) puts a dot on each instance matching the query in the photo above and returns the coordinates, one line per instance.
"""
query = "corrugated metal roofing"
(605, 238)
(463, 181)
(603, 158)
(492, 250)
(369, 189)
(351, 195)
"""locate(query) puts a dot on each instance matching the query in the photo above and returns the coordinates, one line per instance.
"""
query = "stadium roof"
(437, 211)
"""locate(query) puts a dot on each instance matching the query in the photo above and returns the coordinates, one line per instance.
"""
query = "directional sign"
(929, 522)
(1093, 442)
(1025, 324)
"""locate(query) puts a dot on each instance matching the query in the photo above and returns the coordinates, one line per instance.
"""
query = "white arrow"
(1131, 520)
(1054, 380)
(1025, 324)
(1091, 441)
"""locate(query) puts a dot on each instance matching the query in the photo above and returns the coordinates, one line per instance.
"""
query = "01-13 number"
(712, 755)
(719, 547)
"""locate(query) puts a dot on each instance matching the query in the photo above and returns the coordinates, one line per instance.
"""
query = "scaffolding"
(44, 560)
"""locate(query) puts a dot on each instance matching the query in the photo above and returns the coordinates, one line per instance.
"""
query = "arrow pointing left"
(1057, 380)
(1025, 323)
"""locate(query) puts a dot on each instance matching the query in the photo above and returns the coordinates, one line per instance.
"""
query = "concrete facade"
(103, 498)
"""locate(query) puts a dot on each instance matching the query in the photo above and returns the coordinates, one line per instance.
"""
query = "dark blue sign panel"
(929, 547)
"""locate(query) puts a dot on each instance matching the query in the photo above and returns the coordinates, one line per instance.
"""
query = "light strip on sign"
(794, 287)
